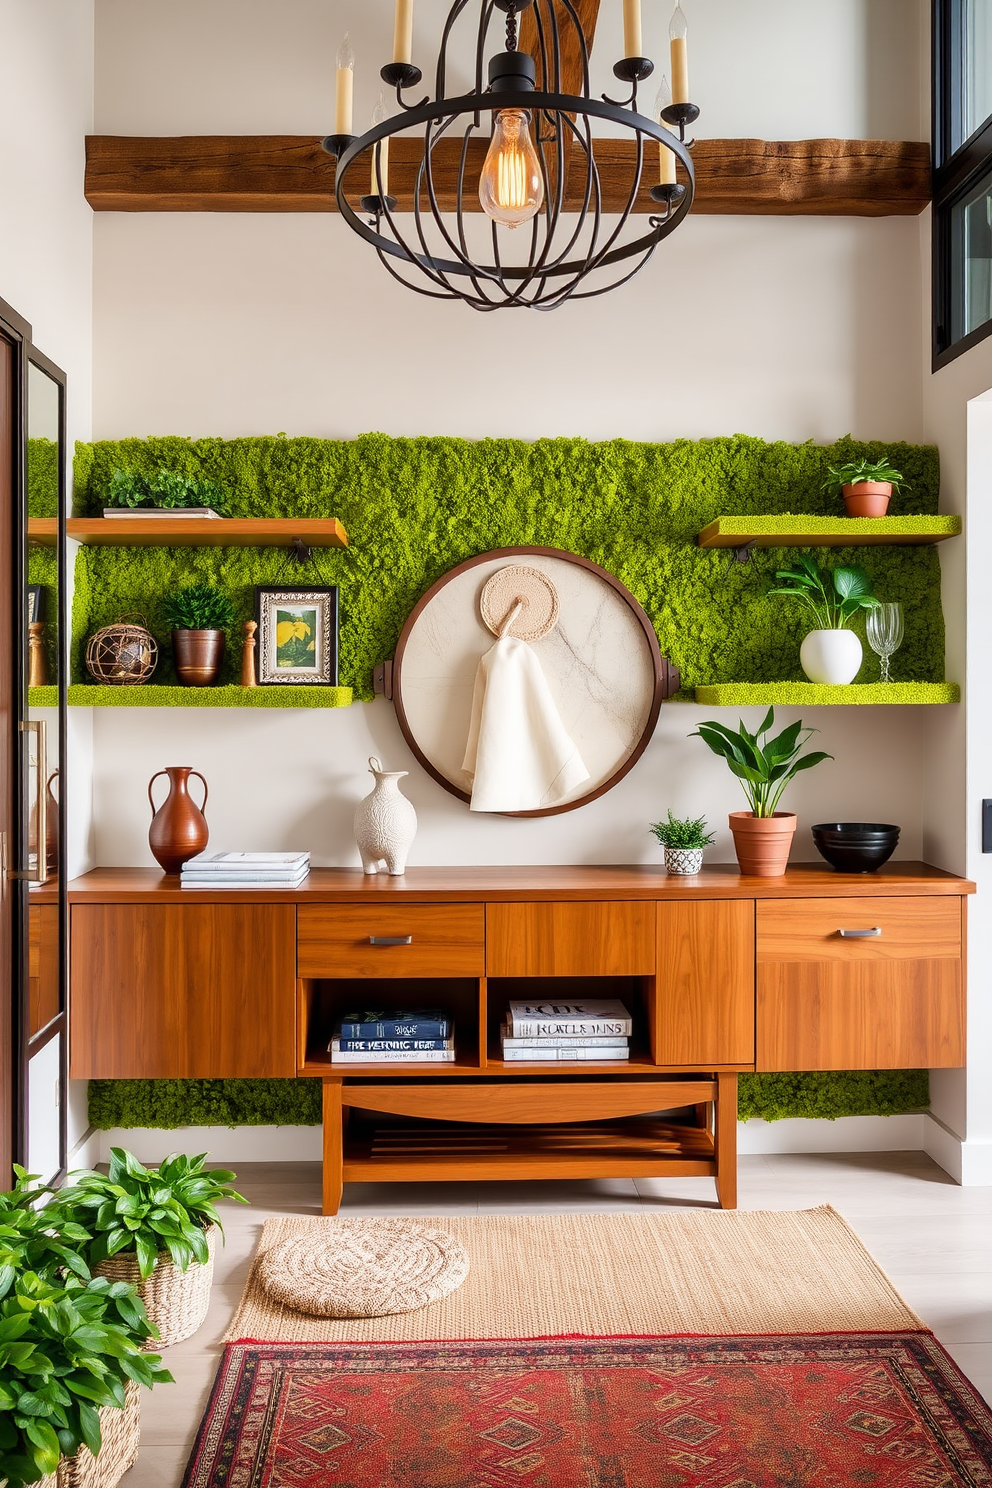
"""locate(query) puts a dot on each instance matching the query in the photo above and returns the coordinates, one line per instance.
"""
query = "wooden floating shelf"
(827, 532)
(192, 532)
(83, 695)
(817, 694)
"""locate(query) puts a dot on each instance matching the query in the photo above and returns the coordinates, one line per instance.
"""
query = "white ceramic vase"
(832, 656)
(385, 823)
(683, 859)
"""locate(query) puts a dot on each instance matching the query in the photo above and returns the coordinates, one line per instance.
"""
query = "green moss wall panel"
(415, 507)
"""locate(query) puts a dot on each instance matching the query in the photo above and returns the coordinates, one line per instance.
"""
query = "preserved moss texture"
(175, 1103)
(43, 478)
(790, 525)
(820, 694)
(149, 695)
(415, 507)
(825, 1097)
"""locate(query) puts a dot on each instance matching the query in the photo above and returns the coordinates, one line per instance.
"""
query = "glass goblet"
(884, 629)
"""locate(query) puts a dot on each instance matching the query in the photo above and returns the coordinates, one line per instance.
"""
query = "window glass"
(971, 260)
(975, 100)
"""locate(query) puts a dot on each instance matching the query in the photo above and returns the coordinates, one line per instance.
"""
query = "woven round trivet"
(539, 614)
(364, 1268)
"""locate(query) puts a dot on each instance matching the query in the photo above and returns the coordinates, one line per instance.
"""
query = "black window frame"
(954, 172)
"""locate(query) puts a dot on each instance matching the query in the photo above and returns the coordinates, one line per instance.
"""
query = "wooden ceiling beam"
(291, 173)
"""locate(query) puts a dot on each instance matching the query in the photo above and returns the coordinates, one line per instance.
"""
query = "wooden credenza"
(813, 971)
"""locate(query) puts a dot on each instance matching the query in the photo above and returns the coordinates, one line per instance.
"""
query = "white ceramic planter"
(683, 859)
(832, 656)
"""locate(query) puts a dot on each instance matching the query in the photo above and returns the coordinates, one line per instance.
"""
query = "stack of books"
(425, 1035)
(584, 1030)
(241, 870)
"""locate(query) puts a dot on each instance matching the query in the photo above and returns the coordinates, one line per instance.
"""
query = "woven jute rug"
(549, 1275)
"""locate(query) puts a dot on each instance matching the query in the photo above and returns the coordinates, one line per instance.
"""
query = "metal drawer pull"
(860, 934)
(387, 940)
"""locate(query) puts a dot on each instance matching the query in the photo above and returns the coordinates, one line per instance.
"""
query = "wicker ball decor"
(122, 655)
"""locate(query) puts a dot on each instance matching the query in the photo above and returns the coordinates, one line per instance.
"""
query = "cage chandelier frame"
(577, 247)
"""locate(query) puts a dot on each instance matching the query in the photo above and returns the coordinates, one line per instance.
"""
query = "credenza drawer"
(574, 938)
(859, 929)
(425, 940)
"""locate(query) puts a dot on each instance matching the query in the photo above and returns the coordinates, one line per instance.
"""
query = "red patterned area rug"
(878, 1410)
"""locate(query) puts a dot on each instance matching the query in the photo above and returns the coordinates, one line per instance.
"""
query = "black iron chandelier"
(533, 124)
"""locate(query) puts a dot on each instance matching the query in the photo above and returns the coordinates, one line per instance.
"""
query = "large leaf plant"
(763, 766)
(149, 1210)
(832, 595)
(67, 1347)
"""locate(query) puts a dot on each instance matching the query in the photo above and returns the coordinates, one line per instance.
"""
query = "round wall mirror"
(600, 657)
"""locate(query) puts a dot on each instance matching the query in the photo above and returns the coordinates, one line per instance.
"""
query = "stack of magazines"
(241, 870)
(563, 1030)
(425, 1035)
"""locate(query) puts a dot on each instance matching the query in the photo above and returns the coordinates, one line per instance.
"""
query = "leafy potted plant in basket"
(72, 1352)
(156, 1227)
(764, 766)
(866, 486)
(683, 842)
(129, 493)
(198, 616)
(831, 653)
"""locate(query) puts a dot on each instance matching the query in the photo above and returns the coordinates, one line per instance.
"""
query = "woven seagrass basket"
(119, 1432)
(176, 1301)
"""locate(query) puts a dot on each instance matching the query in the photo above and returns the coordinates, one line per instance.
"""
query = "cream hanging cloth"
(519, 755)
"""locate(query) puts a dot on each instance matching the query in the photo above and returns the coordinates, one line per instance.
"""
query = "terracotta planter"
(763, 843)
(179, 829)
(867, 498)
(198, 655)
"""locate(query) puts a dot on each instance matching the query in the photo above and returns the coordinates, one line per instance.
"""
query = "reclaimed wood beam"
(291, 173)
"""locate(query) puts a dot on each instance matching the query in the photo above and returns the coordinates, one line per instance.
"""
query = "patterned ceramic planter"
(683, 859)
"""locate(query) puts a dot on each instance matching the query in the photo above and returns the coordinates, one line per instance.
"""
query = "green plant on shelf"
(198, 607)
(686, 835)
(856, 471)
(167, 489)
(763, 766)
(150, 1210)
(832, 595)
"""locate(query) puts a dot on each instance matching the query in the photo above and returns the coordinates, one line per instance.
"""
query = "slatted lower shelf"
(618, 1149)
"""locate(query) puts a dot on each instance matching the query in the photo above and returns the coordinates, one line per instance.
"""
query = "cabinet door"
(860, 984)
(573, 939)
(173, 991)
(705, 983)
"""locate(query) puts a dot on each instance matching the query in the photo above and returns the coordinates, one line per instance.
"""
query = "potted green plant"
(865, 485)
(167, 492)
(71, 1361)
(198, 616)
(764, 766)
(831, 653)
(156, 1227)
(683, 842)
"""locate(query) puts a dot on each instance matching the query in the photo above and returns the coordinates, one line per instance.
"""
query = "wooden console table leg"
(333, 1146)
(725, 1133)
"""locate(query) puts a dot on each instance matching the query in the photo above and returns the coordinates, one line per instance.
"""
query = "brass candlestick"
(248, 676)
(37, 660)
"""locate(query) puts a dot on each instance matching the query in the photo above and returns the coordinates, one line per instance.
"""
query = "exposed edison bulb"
(511, 188)
(346, 55)
(679, 28)
(662, 99)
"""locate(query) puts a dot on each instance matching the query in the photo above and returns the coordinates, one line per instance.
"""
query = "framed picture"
(36, 602)
(297, 636)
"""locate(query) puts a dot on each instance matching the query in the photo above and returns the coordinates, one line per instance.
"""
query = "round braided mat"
(364, 1268)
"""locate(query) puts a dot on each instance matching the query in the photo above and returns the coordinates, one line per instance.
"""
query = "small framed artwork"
(297, 636)
(36, 602)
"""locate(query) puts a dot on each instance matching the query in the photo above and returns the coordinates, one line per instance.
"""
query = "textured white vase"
(832, 656)
(385, 823)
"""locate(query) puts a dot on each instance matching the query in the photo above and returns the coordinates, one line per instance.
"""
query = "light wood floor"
(933, 1238)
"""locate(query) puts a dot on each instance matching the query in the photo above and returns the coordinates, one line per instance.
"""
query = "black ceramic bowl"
(855, 847)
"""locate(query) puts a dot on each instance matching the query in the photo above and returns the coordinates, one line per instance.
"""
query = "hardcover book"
(420, 1023)
(553, 1052)
(385, 1046)
(575, 1041)
(395, 1056)
(564, 1019)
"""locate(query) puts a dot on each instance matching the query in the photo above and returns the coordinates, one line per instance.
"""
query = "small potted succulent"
(167, 491)
(866, 486)
(683, 842)
(155, 1227)
(764, 766)
(831, 653)
(198, 616)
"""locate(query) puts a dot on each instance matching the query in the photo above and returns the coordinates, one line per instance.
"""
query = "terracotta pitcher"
(179, 829)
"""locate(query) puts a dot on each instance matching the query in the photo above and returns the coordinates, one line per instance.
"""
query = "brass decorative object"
(123, 654)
